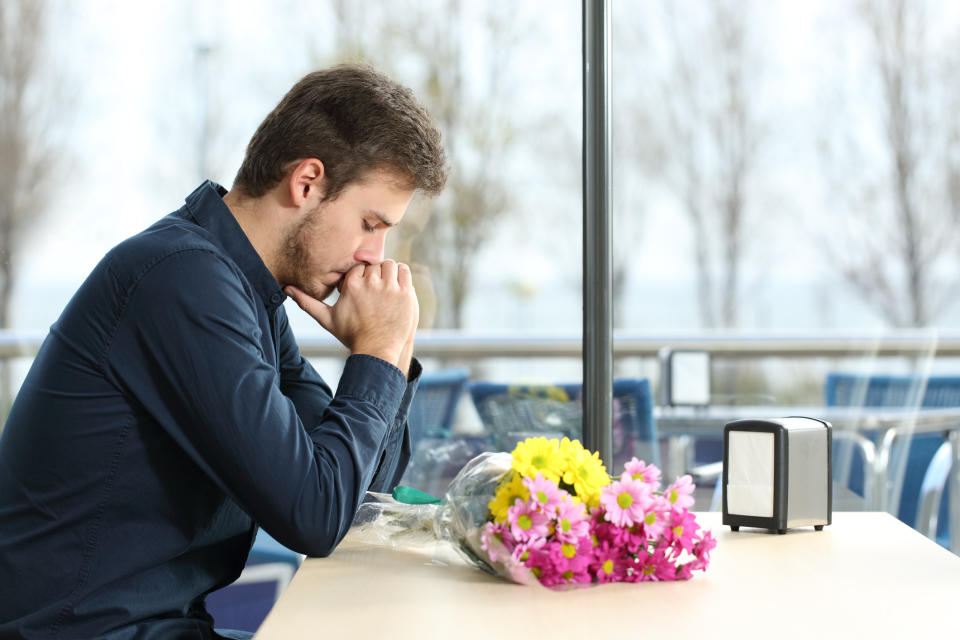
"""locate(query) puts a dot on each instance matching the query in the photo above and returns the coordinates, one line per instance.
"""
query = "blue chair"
(850, 389)
(933, 514)
(511, 413)
(436, 454)
(245, 603)
(434, 406)
(854, 457)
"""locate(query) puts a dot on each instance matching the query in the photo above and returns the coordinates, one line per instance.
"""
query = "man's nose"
(371, 252)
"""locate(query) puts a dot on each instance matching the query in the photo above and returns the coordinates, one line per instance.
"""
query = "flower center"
(568, 550)
(565, 525)
(608, 567)
(648, 570)
(650, 517)
(673, 496)
(568, 575)
(538, 461)
(638, 476)
(678, 531)
(542, 496)
(625, 500)
(524, 522)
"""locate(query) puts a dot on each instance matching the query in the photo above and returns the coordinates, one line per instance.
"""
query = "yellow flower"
(507, 493)
(584, 471)
(538, 454)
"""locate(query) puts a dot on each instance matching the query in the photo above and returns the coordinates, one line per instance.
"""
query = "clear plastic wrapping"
(457, 519)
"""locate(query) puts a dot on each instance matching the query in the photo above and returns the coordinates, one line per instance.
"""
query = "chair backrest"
(860, 390)
(852, 389)
(513, 412)
(434, 405)
(933, 518)
(853, 462)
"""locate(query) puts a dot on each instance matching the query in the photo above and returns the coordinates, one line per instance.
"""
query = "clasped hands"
(376, 314)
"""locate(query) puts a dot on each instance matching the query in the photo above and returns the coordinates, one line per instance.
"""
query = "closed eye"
(369, 228)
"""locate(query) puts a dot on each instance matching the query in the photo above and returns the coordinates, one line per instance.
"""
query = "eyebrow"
(381, 217)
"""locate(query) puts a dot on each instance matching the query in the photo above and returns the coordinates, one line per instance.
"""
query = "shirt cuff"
(415, 370)
(370, 379)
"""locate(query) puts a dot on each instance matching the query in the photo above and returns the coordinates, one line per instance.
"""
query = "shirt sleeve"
(300, 382)
(189, 349)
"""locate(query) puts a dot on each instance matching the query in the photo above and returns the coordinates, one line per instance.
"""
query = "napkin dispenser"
(777, 473)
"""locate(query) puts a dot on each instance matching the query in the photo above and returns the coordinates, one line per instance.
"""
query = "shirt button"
(276, 298)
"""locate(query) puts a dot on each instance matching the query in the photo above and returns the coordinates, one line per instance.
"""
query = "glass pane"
(788, 194)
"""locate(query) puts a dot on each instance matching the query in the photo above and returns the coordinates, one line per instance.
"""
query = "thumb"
(316, 309)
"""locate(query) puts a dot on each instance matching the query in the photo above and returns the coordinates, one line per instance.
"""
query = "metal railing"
(471, 344)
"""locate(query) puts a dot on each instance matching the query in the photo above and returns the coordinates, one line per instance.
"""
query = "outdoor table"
(866, 575)
(677, 424)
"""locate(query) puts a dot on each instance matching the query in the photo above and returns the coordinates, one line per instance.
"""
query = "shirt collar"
(206, 206)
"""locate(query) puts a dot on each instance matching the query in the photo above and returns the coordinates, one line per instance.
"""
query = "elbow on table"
(317, 543)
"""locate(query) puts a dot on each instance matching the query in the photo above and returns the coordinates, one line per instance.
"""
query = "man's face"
(339, 234)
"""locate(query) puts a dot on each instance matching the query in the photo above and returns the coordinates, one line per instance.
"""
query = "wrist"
(393, 355)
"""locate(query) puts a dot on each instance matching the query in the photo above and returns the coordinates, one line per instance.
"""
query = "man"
(169, 411)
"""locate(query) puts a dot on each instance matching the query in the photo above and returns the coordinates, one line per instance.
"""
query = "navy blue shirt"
(167, 414)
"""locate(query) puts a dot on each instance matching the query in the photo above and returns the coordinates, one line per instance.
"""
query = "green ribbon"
(409, 495)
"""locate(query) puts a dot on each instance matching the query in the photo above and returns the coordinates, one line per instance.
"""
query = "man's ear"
(306, 182)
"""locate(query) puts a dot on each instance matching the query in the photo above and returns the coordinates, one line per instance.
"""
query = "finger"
(388, 271)
(356, 271)
(317, 309)
(404, 275)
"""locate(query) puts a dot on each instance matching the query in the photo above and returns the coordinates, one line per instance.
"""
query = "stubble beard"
(296, 258)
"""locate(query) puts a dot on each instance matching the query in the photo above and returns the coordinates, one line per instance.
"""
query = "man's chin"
(324, 292)
(321, 292)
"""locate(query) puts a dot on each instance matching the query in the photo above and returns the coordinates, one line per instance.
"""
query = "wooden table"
(865, 576)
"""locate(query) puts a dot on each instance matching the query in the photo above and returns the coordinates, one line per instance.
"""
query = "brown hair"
(354, 120)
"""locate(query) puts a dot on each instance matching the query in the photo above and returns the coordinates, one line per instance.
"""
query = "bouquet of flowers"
(549, 513)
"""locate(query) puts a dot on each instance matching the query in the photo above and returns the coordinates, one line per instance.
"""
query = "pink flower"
(544, 492)
(572, 521)
(609, 564)
(496, 540)
(701, 551)
(542, 567)
(521, 552)
(653, 567)
(491, 541)
(527, 521)
(645, 473)
(656, 517)
(625, 501)
(682, 530)
(680, 493)
(571, 560)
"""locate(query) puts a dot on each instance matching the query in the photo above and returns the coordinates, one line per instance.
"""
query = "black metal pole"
(597, 260)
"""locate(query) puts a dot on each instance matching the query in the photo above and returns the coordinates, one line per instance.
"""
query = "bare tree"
(27, 150)
(899, 232)
(711, 146)
(477, 135)
(423, 45)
